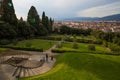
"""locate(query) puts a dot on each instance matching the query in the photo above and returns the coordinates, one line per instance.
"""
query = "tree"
(51, 24)
(7, 31)
(75, 44)
(25, 30)
(33, 17)
(9, 12)
(47, 23)
(34, 20)
(43, 19)
(21, 19)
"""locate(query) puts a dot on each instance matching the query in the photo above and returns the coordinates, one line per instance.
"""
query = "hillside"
(115, 17)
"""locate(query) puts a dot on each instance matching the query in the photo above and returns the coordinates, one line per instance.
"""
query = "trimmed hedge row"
(51, 38)
(71, 40)
(67, 50)
(22, 48)
(92, 52)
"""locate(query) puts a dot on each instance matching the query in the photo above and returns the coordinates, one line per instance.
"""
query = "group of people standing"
(47, 57)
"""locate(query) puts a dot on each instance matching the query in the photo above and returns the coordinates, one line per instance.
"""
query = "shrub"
(114, 47)
(75, 45)
(59, 45)
(4, 42)
(105, 43)
(98, 41)
(91, 47)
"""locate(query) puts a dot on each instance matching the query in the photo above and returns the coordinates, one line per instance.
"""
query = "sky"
(60, 9)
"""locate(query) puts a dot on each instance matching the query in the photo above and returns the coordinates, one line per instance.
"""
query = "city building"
(105, 26)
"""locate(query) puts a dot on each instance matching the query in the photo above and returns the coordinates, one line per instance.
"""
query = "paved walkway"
(6, 71)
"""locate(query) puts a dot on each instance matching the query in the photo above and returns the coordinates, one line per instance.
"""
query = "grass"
(84, 47)
(2, 49)
(71, 66)
(77, 37)
(36, 43)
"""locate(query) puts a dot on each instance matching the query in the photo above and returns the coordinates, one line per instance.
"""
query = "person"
(52, 57)
(46, 57)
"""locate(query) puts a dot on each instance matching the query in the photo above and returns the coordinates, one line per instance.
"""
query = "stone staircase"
(27, 72)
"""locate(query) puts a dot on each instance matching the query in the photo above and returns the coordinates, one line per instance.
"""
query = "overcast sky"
(59, 9)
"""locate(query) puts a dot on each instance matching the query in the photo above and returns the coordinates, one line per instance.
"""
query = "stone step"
(26, 73)
(16, 73)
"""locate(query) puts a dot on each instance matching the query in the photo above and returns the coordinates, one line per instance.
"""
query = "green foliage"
(114, 47)
(9, 12)
(75, 45)
(4, 42)
(67, 30)
(7, 31)
(47, 23)
(91, 47)
(33, 19)
(113, 37)
(59, 45)
(25, 30)
(105, 43)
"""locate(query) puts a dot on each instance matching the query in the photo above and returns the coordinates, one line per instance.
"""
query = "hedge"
(71, 40)
(22, 48)
(91, 52)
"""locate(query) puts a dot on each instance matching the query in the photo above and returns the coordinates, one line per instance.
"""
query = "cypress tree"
(9, 12)
(34, 20)
(44, 19)
(33, 17)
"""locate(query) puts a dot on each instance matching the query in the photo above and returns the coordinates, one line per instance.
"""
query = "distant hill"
(115, 17)
(111, 17)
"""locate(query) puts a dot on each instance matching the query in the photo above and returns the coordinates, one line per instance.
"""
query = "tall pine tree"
(47, 23)
(9, 12)
(33, 17)
(34, 20)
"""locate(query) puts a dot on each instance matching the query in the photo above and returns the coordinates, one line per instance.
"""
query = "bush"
(59, 45)
(98, 41)
(4, 42)
(91, 47)
(105, 44)
(75, 45)
(114, 47)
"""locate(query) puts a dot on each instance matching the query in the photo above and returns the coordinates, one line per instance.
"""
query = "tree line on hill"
(12, 28)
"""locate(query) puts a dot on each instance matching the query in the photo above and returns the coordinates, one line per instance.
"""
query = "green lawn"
(71, 66)
(83, 47)
(36, 43)
(2, 49)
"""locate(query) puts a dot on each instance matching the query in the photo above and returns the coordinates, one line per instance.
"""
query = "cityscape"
(105, 26)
